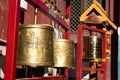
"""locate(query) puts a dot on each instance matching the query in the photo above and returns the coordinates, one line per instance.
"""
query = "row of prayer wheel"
(37, 47)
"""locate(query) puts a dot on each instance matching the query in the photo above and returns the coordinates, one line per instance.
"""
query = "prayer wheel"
(63, 53)
(95, 47)
(35, 45)
(92, 47)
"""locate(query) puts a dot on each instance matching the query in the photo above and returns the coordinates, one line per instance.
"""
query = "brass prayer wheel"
(95, 47)
(35, 45)
(63, 53)
(92, 47)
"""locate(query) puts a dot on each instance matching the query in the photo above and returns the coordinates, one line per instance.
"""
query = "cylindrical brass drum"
(92, 47)
(95, 47)
(63, 53)
(35, 45)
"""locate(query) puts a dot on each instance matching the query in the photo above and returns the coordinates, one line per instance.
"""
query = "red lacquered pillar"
(13, 21)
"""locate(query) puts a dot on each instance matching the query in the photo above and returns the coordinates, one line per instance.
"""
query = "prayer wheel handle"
(35, 15)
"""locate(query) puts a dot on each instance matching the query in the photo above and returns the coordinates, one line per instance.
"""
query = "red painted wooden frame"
(79, 67)
(12, 39)
(13, 21)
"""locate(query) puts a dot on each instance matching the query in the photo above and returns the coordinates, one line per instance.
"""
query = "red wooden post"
(13, 21)
(104, 55)
(79, 54)
(67, 35)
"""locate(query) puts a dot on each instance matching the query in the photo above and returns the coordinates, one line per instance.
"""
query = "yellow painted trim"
(103, 16)
(98, 60)
(87, 11)
(104, 29)
(108, 32)
(112, 24)
(99, 5)
(100, 17)
(94, 1)
(108, 51)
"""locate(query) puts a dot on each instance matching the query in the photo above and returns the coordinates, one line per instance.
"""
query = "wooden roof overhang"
(100, 12)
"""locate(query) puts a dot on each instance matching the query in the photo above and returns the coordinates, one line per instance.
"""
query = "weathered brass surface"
(35, 45)
(95, 47)
(63, 53)
(92, 47)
